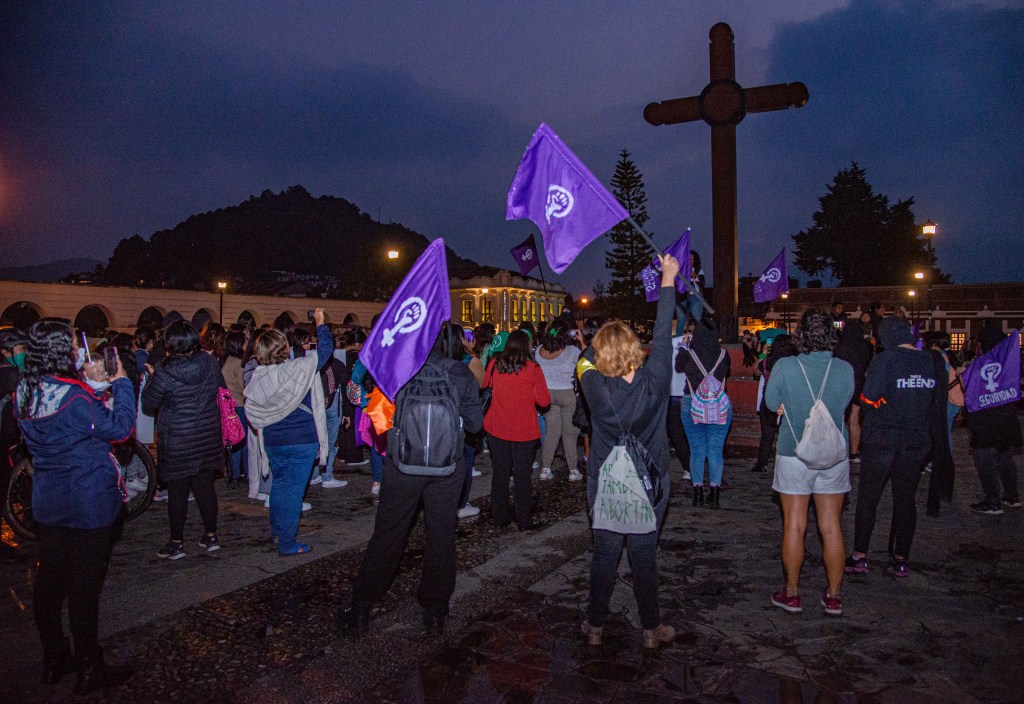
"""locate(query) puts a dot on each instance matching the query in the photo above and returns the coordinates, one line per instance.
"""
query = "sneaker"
(209, 543)
(375, 489)
(316, 480)
(786, 602)
(686, 475)
(136, 485)
(468, 511)
(988, 508)
(306, 506)
(160, 495)
(546, 475)
(855, 458)
(536, 464)
(477, 472)
(334, 483)
(856, 565)
(260, 497)
(833, 605)
(575, 475)
(900, 568)
(1012, 503)
(360, 463)
(171, 551)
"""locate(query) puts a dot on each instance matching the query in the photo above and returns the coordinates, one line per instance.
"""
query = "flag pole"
(691, 289)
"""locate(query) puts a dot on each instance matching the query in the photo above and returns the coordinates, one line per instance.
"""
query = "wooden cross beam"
(723, 104)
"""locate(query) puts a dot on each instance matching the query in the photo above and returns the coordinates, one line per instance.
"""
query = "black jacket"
(183, 396)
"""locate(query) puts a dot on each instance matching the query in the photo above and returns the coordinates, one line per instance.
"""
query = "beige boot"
(656, 636)
(593, 633)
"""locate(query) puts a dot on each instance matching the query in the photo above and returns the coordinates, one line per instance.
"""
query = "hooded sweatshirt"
(901, 384)
(705, 346)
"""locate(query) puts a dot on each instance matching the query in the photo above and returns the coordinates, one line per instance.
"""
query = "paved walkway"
(235, 626)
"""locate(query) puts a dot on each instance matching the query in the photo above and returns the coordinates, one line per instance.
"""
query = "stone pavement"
(952, 632)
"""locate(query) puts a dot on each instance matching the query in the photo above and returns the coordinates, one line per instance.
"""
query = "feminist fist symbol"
(410, 317)
(560, 202)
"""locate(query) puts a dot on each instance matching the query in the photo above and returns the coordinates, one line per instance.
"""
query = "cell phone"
(309, 314)
(110, 360)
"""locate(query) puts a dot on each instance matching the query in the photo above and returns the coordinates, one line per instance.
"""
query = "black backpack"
(427, 438)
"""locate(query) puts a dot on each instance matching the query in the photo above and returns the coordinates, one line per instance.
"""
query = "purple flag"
(400, 342)
(993, 379)
(558, 193)
(650, 276)
(527, 256)
(774, 281)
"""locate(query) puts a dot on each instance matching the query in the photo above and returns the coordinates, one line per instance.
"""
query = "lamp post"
(392, 254)
(913, 308)
(929, 229)
(221, 287)
(785, 311)
(920, 276)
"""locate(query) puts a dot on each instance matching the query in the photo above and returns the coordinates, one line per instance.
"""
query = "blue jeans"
(376, 464)
(707, 442)
(239, 454)
(468, 455)
(333, 426)
(290, 466)
(951, 411)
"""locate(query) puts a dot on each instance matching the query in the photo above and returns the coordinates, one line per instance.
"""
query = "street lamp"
(919, 275)
(392, 254)
(584, 300)
(785, 311)
(913, 307)
(929, 229)
(221, 288)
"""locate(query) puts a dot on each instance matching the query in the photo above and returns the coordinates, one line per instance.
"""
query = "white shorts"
(793, 477)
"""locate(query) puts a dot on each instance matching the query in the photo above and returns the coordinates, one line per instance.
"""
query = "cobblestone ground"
(952, 632)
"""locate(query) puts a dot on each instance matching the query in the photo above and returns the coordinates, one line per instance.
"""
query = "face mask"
(18, 360)
(80, 359)
(98, 386)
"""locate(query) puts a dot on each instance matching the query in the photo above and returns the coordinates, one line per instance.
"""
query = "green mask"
(18, 360)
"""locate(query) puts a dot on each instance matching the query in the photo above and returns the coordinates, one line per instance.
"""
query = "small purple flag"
(774, 281)
(650, 275)
(527, 256)
(400, 342)
(993, 379)
(555, 190)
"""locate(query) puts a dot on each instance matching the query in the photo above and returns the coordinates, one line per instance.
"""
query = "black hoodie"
(901, 384)
(705, 346)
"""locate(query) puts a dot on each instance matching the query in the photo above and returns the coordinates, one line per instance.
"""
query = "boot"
(713, 498)
(698, 496)
(656, 636)
(95, 674)
(57, 664)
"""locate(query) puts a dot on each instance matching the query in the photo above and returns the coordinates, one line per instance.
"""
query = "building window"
(467, 311)
(488, 315)
(533, 311)
(515, 311)
(956, 341)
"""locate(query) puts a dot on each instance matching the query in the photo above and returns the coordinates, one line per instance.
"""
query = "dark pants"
(347, 443)
(468, 456)
(400, 497)
(72, 566)
(515, 457)
(676, 432)
(201, 486)
(604, 567)
(769, 429)
(995, 466)
(884, 456)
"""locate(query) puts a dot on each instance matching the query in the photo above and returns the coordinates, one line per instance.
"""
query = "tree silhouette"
(629, 253)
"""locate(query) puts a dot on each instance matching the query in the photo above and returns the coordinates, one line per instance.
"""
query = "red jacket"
(515, 399)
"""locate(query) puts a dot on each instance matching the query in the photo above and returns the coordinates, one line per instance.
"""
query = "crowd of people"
(838, 393)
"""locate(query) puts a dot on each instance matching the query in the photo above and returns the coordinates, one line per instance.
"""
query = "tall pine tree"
(629, 253)
(862, 239)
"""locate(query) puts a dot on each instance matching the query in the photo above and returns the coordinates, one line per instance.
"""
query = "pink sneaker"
(833, 605)
(786, 602)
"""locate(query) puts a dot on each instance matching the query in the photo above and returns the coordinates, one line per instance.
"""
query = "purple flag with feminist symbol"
(555, 190)
(774, 281)
(407, 328)
(650, 275)
(993, 379)
(527, 256)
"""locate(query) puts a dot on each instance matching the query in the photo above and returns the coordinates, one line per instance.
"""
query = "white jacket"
(276, 390)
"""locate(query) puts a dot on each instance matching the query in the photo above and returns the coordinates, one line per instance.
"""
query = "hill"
(326, 242)
(50, 271)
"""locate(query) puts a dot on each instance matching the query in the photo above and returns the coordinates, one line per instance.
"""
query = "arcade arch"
(21, 314)
(153, 317)
(95, 319)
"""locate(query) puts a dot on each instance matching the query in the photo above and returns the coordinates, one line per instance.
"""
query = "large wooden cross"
(723, 104)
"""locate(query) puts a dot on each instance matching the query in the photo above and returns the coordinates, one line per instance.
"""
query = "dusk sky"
(121, 119)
